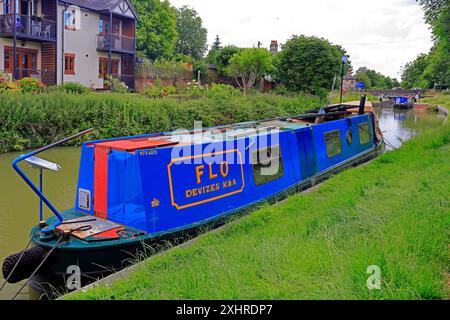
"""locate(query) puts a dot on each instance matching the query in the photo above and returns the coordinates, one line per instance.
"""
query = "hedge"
(33, 120)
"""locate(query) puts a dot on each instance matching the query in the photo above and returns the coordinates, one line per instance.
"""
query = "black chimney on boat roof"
(362, 104)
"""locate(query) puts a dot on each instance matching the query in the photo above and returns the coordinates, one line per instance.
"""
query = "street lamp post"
(344, 60)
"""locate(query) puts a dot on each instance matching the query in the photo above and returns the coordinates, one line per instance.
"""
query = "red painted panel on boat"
(135, 144)
(101, 182)
(110, 234)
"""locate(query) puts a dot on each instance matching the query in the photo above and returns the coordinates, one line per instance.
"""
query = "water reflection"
(399, 126)
(20, 206)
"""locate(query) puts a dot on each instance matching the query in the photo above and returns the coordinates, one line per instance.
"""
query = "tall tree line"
(166, 32)
(433, 69)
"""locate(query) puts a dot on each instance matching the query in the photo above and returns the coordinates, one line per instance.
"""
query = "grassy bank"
(32, 120)
(442, 99)
(392, 213)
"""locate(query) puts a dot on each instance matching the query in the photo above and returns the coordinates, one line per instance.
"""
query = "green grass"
(439, 99)
(392, 212)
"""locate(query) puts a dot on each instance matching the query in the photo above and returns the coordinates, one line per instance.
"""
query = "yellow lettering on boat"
(205, 182)
(224, 169)
(199, 172)
(211, 174)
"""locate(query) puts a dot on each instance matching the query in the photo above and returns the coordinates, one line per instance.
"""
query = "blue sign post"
(360, 85)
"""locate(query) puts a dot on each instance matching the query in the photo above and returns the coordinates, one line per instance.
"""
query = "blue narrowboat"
(135, 191)
(401, 102)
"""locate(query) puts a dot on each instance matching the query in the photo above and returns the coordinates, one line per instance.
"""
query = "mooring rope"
(389, 144)
(39, 266)
(386, 141)
(18, 261)
(57, 245)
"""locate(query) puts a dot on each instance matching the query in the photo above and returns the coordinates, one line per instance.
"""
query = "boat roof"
(213, 134)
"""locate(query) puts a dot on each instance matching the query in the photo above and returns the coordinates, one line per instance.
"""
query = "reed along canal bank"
(390, 215)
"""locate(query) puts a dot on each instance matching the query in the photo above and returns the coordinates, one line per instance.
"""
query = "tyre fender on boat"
(28, 263)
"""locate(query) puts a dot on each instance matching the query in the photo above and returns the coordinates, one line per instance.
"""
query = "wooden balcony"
(28, 27)
(119, 43)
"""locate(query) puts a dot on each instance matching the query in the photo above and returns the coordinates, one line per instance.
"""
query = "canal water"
(19, 206)
(399, 126)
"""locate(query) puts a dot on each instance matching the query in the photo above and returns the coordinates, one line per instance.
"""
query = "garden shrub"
(31, 120)
(4, 77)
(73, 87)
(157, 90)
(195, 89)
(29, 85)
(115, 85)
(222, 91)
(8, 86)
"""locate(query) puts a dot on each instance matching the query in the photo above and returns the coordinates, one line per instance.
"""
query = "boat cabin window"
(364, 135)
(333, 143)
(267, 164)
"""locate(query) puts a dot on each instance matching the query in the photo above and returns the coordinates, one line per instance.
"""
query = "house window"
(7, 63)
(7, 6)
(267, 164)
(333, 143)
(69, 20)
(116, 27)
(69, 63)
(103, 26)
(34, 61)
(364, 134)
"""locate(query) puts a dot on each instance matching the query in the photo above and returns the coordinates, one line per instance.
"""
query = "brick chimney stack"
(274, 47)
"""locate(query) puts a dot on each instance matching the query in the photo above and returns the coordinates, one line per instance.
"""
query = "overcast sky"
(380, 34)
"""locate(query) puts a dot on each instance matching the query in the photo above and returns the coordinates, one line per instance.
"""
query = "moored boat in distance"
(135, 191)
(401, 102)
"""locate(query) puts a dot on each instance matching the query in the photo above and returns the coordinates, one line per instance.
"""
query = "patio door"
(103, 68)
(26, 63)
(23, 64)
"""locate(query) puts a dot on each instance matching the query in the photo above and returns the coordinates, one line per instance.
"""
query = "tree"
(221, 57)
(249, 65)
(364, 78)
(192, 36)
(216, 44)
(156, 31)
(309, 64)
(374, 79)
(437, 71)
(434, 9)
(412, 73)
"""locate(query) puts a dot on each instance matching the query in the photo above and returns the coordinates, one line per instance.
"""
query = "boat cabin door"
(306, 153)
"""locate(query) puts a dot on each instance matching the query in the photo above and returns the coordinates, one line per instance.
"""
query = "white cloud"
(379, 34)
